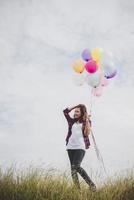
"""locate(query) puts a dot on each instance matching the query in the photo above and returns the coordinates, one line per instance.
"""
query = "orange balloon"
(79, 66)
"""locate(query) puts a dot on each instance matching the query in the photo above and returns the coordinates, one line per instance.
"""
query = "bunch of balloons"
(95, 68)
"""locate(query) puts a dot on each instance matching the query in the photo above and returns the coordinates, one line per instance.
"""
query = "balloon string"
(98, 154)
(91, 102)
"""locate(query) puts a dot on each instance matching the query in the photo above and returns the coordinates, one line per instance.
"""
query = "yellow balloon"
(78, 66)
(99, 64)
(96, 54)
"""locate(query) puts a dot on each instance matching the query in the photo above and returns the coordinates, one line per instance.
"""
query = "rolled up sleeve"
(66, 114)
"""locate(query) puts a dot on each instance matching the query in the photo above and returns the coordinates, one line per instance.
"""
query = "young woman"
(77, 141)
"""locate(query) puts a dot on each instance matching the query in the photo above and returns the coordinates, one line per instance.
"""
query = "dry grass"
(39, 184)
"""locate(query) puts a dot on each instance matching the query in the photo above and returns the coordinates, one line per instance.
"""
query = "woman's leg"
(78, 157)
(71, 154)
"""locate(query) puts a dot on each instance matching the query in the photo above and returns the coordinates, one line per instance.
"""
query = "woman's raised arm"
(66, 112)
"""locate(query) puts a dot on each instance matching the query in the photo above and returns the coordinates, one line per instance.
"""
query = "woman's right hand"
(73, 107)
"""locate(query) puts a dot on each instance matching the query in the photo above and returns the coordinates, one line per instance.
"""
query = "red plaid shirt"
(71, 121)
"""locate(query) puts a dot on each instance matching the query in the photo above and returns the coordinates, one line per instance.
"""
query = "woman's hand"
(88, 117)
(73, 107)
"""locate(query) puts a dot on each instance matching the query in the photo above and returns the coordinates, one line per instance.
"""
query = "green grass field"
(40, 184)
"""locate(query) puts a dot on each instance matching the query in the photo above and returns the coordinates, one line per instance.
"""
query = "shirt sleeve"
(66, 114)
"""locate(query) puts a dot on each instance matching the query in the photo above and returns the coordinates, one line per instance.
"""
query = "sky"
(39, 41)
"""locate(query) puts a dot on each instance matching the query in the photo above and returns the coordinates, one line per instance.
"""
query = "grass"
(42, 184)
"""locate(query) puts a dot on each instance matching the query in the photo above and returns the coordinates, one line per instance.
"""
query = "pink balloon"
(91, 66)
(104, 81)
(97, 91)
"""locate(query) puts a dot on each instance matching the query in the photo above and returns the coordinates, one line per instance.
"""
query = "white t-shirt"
(76, 140)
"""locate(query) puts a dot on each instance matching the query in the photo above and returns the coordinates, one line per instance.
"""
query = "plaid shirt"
(71, 121)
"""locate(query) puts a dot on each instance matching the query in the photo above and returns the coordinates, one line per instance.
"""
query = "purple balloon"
(86, 55)
(111, 75)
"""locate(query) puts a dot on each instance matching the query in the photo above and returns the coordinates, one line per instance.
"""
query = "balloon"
(96, 53)
(78, 66)
(78, 79)
(97, 91)
(93, 79)
(109, 70)
(86, 55)
(106, 57)
(111, 75)
(104, 81)
(91, 66)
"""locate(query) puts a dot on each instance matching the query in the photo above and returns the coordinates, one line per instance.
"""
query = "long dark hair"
(83, 110)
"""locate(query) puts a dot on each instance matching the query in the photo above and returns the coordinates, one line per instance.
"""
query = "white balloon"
(78, 79)
(94, 79)
(106, 57)
(109, 69)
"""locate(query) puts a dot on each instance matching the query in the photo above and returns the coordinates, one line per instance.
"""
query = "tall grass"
(39, 184)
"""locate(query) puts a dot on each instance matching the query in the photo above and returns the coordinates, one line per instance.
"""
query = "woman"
(77, 141)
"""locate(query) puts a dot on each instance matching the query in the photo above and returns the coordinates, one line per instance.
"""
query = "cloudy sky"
(39, 40)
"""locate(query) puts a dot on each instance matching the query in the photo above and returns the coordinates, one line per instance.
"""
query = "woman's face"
(77, 113)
